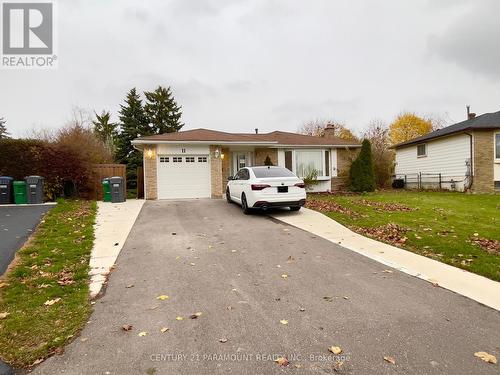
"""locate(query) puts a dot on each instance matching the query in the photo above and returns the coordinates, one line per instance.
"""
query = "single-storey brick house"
(464, 156)
(197, 163)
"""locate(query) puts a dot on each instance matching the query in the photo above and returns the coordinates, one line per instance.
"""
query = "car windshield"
(272, 172)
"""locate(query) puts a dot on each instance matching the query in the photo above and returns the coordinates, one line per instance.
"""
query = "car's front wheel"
(295, 208)
(244, 204)
(228, 196)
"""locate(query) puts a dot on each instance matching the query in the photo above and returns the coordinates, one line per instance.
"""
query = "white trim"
(495, 158)
(272, 144)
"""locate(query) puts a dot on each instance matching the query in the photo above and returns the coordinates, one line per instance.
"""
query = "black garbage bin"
(117, 189)
(34, 189)
(6, 196)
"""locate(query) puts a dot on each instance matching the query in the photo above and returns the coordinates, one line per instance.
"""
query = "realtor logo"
(28, 35)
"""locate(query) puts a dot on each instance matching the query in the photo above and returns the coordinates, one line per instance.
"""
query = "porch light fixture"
(217, 153)
(150, 153)
(222, 156)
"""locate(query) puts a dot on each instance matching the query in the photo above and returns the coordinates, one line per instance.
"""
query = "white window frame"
(323, 166)
(425, 150)
(496, 157)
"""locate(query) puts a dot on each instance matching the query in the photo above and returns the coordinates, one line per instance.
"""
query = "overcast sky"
(235, 65)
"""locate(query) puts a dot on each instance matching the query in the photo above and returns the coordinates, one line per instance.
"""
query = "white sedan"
(266, 187)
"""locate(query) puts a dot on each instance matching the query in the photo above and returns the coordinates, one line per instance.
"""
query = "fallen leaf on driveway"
(233, 251)
(229, 307)
(129, 286)
(284, 321)
(195, 316)
(162, 297)
(335, 349)
(50, 302)
(164, 329)
(4, 315)
(192, 264)
(290, 258)
(179, 318)
(328, 299)
(487, 357)
(345, 297)
(284, 276)
(142, 334)
(223, 340)
(302, 309)
(83, 339)
(387, 271)
(127, 327)
(282, 361)
(390, 360)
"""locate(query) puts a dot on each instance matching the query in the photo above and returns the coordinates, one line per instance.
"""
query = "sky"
(237, 65)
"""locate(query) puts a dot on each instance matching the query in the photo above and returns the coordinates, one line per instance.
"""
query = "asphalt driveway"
(208, 257)
(16, 225)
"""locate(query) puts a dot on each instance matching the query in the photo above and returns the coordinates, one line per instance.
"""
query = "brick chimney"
(329, 131)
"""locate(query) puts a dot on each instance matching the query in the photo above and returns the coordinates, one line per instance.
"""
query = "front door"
(241, 160)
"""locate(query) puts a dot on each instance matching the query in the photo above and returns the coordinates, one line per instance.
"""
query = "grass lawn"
(44, 298)
(445, 226)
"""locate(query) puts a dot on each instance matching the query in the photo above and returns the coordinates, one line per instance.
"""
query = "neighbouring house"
(463, 156)
(197, 163)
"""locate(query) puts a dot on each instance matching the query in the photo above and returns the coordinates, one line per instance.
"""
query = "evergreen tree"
(133, 124)
(162, 112)
(268, 161)
(361, 175)
(3, 129)
(105, 130)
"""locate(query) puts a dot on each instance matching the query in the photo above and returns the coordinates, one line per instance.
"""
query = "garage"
(183, 176)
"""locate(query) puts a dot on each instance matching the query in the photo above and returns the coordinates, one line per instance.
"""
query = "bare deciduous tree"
(383, 157)
(316, 128)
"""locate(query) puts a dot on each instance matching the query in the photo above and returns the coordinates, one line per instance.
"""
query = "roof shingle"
(276, 137)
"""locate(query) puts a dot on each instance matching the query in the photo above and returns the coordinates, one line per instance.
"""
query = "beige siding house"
(463, 156)
(197, 163)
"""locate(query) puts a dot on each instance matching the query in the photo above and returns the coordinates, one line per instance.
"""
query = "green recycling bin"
(106, 189)
(20, 192)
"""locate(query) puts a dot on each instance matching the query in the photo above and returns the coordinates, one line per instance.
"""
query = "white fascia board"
(317, 146)
(151, 142)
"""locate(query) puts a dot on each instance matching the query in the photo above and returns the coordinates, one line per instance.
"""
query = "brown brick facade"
(216, 173)
(150, 174)
(261, 154)
(483, 162)
(345, 156)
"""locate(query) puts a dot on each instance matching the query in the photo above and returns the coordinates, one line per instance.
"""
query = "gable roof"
(485, 121)
(213, 136)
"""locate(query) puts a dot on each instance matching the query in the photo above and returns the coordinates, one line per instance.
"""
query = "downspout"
(471, 161)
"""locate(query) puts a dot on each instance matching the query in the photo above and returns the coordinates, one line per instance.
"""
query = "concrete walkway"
(470, 285)
(113, 224)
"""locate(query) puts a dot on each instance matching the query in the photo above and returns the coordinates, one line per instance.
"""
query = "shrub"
(66, 162)
(361, 176)
(268, 161)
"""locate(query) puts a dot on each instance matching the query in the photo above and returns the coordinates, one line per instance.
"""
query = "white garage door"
(183, 176)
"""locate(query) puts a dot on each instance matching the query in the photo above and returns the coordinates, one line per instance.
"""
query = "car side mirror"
(230, 178)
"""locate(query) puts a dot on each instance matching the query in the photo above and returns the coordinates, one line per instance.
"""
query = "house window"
(202, 159)
(497, 146)
(308, 161)
(327, 163)
(288, 160)
(177, 159)
(189, 159)
(164, 159)
(421, 150)
(497, 185)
